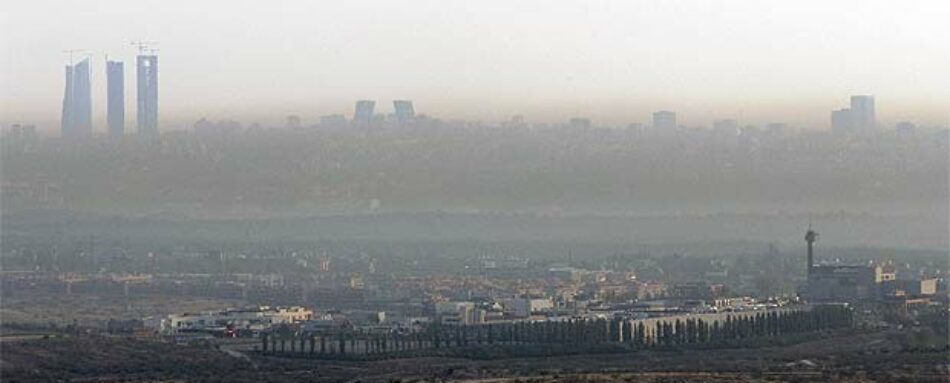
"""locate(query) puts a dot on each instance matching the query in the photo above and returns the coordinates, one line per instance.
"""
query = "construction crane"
(71, 51)
(145, 46)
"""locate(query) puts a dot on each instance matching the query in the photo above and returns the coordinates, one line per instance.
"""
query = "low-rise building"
(524, 307)
(911, 287)
(256, 318)
(837, 283)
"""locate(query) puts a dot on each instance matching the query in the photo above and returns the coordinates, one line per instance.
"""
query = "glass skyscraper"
(77, 102)
(147, 94)
(115, 98)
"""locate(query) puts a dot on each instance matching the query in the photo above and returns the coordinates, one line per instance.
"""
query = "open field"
(42, 309)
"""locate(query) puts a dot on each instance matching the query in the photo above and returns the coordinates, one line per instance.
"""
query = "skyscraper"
(77, 102)
(404, 110)
(364, 111)
(664, 119)
(862, 113)
(146, 69)
(115, 98)
(841, 120)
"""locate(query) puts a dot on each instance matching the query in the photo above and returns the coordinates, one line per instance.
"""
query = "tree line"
(679, 332)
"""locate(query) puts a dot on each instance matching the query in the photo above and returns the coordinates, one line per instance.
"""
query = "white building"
(245, 318)
(524, 307)
(459, 313)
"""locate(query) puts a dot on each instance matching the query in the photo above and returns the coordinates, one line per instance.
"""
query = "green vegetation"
(573, 336)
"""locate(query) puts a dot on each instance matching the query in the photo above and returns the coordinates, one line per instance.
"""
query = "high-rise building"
(841, 120)
(404, 110)
(146, 69)
(364, 111)
(115, 98)
(77, 102)
(862, 113)
(664, 119)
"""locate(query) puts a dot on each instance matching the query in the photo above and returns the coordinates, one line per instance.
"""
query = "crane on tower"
(145, 46)
(70, 53)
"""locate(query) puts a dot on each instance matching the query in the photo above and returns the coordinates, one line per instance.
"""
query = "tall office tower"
(664, 119)
(146, 68)
(115, 98)
(404, 111)
(862, 113)
(77, 102)
(364, 111)
(841, 120)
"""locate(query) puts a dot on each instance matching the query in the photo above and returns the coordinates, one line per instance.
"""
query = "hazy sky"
(614, 61)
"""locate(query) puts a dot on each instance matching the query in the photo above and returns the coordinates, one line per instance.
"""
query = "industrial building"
(855, 283)
(253, 318)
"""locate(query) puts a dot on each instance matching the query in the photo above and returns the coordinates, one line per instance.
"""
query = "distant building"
(664, 120)
(115, 98)
(862, 113)
(649, 290)
(525, 307)
(566, 273)
(905, 129)
(860, 117)
(911, 287)
(293, 121)
(459, 313)
(146, 69)
(333, 120)
(697, 290)
(256, 318)
(776, 129)
(841, 121)
(404, 111)
(77, 102)
(579, 122)
(364, 111)
(847, 283)
(726, 128)
(844, 283)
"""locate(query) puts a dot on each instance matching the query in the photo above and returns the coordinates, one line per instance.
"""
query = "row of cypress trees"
(631, 334)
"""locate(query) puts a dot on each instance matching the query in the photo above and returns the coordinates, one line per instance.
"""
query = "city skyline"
(614, 62)
(534, 191)
(860, 117)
